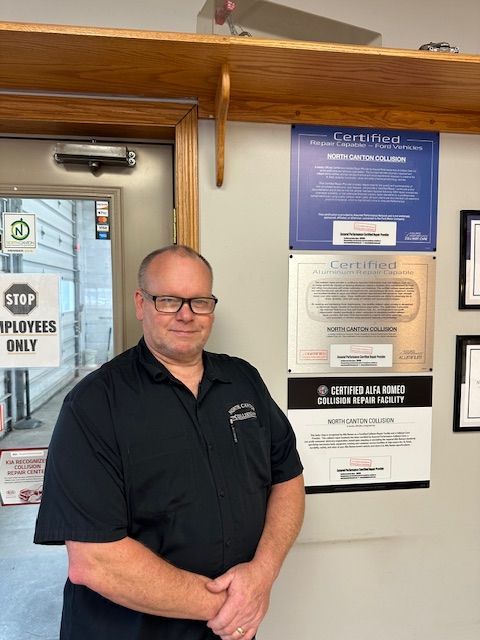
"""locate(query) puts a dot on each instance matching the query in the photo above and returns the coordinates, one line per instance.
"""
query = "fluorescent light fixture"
(94, 155)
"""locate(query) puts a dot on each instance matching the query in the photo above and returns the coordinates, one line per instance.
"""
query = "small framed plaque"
(469, 290)
(466, 413)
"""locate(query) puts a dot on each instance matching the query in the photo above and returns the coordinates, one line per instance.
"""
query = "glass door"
(73, 243)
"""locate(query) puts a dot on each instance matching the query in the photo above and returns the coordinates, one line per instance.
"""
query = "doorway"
(92, 230)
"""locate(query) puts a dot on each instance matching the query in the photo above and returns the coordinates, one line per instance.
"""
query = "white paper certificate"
(470, 395)
(362, 432)
(472, 266)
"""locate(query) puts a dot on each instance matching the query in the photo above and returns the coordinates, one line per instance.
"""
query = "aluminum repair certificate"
(360, 313)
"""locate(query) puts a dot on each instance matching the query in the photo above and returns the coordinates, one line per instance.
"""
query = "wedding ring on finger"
(241, 631)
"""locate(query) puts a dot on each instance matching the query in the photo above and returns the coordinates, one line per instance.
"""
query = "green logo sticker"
(20, 230)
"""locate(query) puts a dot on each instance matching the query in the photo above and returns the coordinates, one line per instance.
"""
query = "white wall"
(158, 15)
(402, 565)
(409, 23)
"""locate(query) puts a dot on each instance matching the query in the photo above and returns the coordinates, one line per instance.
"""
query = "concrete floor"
(32, 576)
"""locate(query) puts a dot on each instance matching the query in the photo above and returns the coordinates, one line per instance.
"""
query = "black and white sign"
(362, 433)
(29, 320)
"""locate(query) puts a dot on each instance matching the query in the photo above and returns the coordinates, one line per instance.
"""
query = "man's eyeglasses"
(173, 304)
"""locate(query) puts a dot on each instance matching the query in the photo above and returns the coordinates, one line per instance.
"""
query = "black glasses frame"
(181, 302)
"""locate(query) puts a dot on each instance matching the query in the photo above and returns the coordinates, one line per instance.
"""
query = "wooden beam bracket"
(222, 102)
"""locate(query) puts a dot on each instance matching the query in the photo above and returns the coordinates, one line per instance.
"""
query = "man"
(172, 478)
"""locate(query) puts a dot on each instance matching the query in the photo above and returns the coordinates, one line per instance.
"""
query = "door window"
(73, 243)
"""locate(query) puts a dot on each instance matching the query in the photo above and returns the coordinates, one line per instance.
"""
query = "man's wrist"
(267, 567)
(213, 602)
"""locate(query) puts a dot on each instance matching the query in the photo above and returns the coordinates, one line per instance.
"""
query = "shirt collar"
(212, 368)
(154, 368)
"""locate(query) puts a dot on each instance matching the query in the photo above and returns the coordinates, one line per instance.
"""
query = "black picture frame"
(469, 219)
(466, 413)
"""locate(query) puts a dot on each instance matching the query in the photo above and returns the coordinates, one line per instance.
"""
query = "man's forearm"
(131, 575)
(248, 585)
(284, 518)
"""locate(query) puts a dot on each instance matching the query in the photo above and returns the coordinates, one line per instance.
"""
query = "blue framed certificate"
(363, 189)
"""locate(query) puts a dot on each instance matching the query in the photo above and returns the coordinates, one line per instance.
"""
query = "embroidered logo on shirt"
(242, 411)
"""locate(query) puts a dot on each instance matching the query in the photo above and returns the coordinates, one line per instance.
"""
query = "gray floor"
(32, 577)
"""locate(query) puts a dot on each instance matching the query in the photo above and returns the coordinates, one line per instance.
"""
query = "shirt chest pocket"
(252, 451)
(162, 479)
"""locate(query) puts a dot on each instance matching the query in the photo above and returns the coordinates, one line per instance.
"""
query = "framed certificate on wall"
(466, 413)
(469, 289)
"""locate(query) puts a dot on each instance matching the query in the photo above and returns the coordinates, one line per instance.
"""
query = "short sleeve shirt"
(135, 454)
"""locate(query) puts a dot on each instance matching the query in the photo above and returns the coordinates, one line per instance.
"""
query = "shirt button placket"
(217, 475)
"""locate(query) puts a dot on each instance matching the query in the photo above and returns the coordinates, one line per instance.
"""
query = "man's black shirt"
(135, 454)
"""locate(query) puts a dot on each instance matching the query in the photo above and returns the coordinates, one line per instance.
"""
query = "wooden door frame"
(186, 180)
(29, 114)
